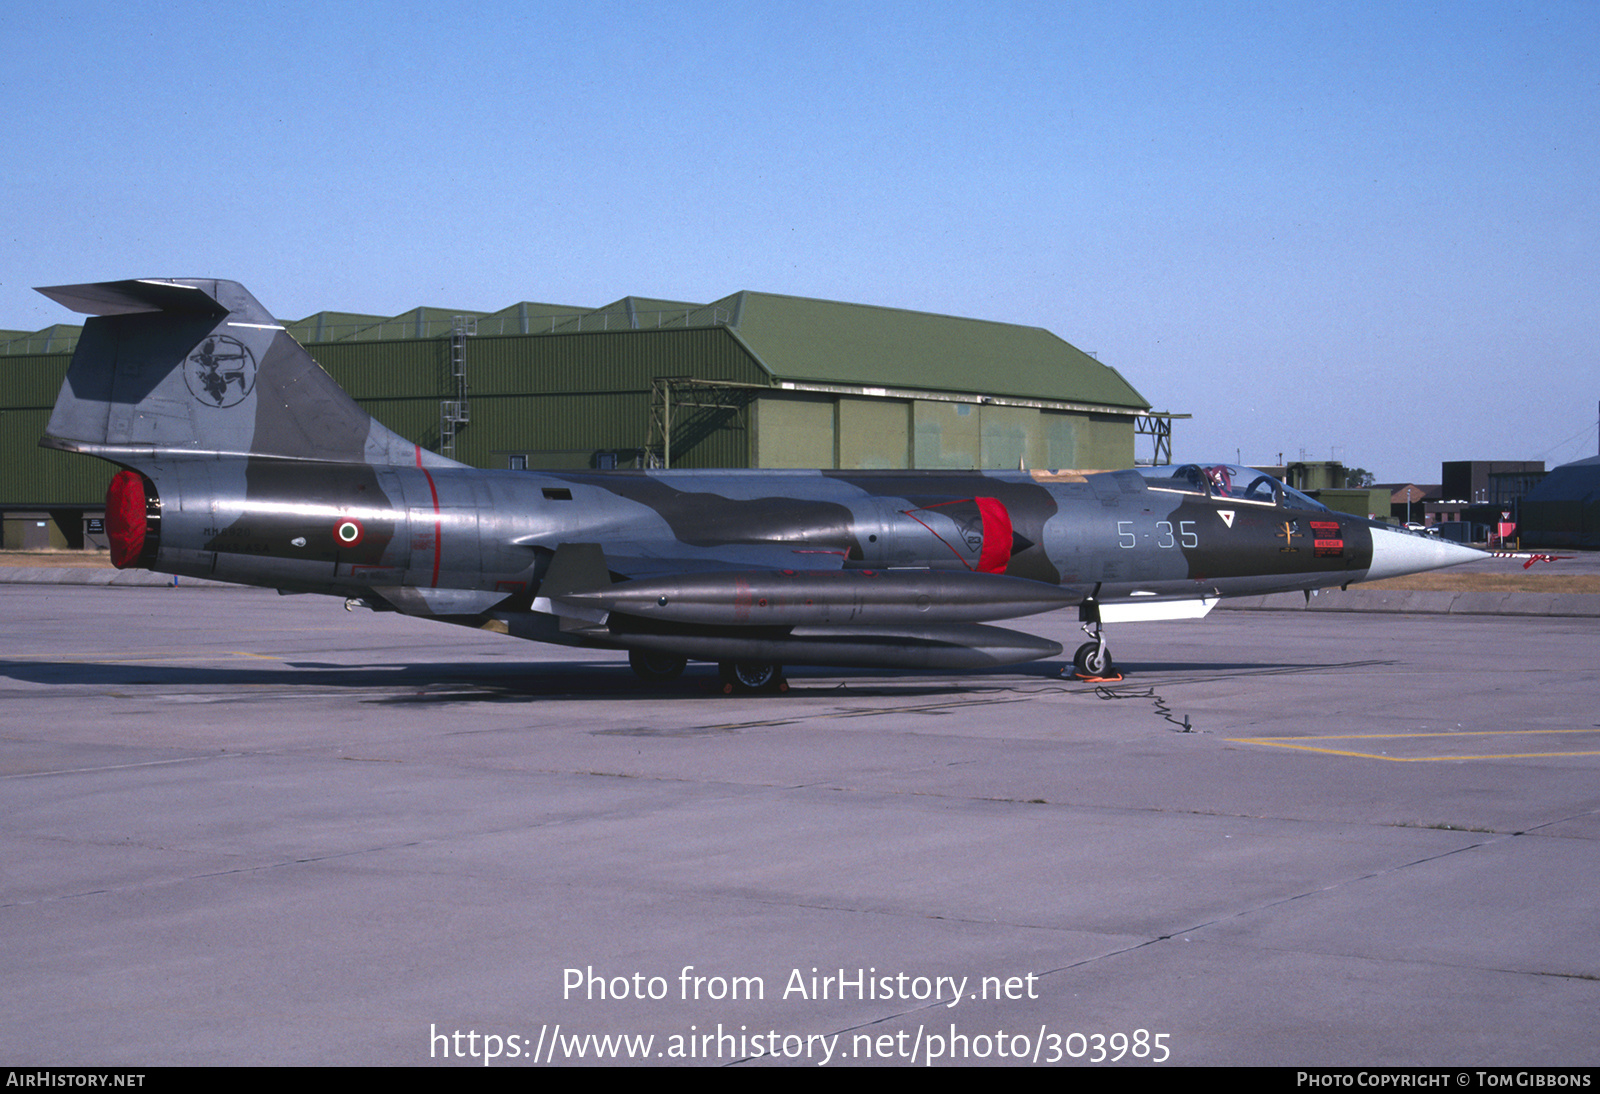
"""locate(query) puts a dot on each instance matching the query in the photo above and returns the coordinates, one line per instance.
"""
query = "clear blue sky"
(1357, 230)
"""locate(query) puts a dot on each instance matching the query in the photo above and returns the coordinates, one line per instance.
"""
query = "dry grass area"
(1522, 581)
(74, 559)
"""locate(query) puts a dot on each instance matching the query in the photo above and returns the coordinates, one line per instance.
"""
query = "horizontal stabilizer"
(133, 297)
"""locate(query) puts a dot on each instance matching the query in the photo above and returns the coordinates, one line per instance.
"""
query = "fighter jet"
(243, 461)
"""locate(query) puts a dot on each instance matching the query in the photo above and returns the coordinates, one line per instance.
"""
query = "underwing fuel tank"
(795, 598)
(951, 646)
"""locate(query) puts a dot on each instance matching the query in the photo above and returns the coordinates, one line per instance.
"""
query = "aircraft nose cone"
(1396, 553)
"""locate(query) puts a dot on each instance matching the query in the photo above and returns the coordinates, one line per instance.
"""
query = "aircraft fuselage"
(344, 528)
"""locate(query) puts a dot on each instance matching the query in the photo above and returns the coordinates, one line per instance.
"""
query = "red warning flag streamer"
(1532, 558)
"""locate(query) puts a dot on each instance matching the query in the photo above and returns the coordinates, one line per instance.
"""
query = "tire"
(751, 675)
(654, 667)
(1092, 659)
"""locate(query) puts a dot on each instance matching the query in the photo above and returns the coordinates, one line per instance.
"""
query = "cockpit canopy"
(1226, 480)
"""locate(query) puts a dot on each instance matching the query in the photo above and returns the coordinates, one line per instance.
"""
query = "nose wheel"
(1093, 659)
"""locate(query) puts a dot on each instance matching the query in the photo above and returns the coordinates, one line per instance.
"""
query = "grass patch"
(1523, 581)
(74, 559)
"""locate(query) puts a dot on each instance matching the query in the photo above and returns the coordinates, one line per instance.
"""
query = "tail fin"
(198, 367)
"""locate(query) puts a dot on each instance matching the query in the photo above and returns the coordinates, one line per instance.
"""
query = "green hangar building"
(752, 380)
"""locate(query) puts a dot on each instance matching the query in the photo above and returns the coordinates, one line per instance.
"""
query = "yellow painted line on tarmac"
(1298, 744)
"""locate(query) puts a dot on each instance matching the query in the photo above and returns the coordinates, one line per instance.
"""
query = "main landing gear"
(749, 676)
(745, 677)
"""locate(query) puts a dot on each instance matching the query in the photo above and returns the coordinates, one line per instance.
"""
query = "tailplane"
(196, 367)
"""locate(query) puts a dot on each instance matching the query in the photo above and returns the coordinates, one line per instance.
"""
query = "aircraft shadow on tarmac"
(610, 680)
(486, 681)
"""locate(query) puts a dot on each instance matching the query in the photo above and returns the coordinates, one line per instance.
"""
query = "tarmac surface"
(240, 828)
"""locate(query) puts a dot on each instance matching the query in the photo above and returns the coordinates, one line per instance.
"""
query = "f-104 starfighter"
(242, 460)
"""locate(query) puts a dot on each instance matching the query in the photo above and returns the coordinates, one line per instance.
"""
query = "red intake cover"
(996, 536)
(125, 518)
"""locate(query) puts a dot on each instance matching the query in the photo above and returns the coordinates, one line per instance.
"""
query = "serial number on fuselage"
(239, 541)
(1167, 536)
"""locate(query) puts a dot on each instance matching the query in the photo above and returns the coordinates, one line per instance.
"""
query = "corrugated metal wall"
(557, 400)
(31, 476)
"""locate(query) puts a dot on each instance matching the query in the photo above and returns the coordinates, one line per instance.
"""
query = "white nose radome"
(1395, 553)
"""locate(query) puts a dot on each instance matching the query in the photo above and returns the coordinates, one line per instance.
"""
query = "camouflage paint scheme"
(251, 465)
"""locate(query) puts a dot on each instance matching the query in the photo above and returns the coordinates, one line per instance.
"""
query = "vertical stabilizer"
(198, 367)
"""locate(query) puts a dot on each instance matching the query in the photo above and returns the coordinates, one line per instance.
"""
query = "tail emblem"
(221, 372)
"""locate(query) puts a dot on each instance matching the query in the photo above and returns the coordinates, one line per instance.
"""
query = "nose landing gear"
(1093, 659)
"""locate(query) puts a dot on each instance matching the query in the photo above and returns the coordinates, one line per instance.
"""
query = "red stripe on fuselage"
(438, 520)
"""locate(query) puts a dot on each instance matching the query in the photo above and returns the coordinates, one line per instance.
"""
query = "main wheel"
(751, 675)
(1092, 659)
(654, 667)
